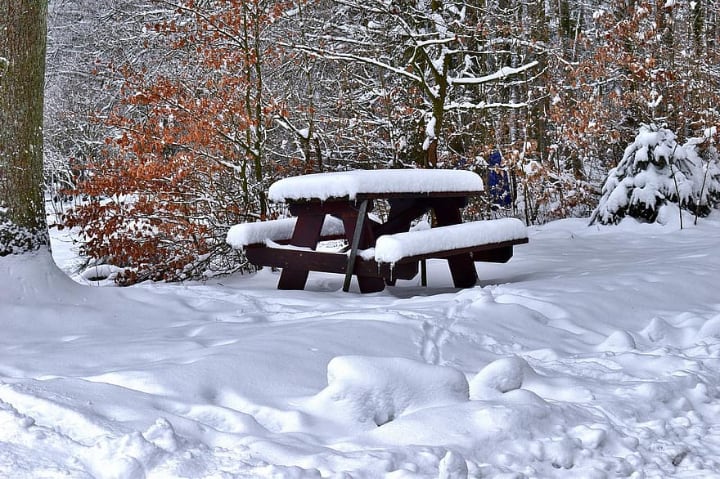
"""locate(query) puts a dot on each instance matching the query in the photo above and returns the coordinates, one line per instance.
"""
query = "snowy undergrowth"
(593, 353)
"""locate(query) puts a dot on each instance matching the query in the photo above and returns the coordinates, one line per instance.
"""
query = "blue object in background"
(498, 181)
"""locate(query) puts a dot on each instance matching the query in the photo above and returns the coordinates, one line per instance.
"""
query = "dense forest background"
(166, 121)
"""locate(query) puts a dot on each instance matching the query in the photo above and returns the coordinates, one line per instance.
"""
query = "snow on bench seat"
(395, 247)
(241, 235)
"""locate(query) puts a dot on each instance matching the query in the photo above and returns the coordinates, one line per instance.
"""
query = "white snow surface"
(392, 248)
(244, 234)
(349, 184)
(593, 353)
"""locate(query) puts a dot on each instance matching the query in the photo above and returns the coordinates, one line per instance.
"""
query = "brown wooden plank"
(345, 200)
(322, 238)
(355, 243)
(402, 213)
(462, 267)
(415, 194)
(328, 262)
(494, 255)
(306, 234)
(406, 268)
(362, 239)
(262, 255)
(335, 207)
(491, 252)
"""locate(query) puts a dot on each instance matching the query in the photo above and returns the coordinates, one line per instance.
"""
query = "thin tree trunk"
(22, 73)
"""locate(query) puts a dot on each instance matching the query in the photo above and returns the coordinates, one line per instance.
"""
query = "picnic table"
(339, 205)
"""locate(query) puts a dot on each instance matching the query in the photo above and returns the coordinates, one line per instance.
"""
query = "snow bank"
(33, 278)
(105, 273)
(596, 354)
(372, 391)
(500, 376)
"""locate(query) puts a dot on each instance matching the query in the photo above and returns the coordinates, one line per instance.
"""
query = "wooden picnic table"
(349, 198)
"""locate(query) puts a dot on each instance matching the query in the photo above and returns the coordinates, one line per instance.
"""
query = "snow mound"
(33, 278)
(452, 466)
(125, 457)
(660, 332)
(501, 376)
(102, 272)
(710, 329)
(618, 341)
(373, 391)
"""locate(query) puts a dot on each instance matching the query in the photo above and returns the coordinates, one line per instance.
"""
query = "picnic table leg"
(462, 267)
(360, 233)
(306, 234)
(359, 223)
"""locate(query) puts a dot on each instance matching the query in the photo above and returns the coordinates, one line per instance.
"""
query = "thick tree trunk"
(22, 72)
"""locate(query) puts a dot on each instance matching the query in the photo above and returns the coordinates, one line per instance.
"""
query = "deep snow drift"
(595, 352)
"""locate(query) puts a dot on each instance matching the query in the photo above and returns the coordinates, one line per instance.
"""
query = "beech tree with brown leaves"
(188, 159)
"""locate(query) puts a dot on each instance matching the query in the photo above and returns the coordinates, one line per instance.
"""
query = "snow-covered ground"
(593, 353)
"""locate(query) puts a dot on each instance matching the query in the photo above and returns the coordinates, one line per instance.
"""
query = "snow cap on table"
(351, 183)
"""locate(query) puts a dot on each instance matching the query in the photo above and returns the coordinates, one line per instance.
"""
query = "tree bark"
(22, 72)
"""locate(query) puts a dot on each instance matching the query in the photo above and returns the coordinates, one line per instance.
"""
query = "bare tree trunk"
(22, 71)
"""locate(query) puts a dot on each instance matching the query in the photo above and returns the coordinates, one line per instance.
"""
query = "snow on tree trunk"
(656, 170)
(22, 70)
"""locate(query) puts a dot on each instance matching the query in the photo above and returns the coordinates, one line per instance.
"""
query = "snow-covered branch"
(331, 55)
(221, 30)
(483, 105)
(504, 72)
(435, 42)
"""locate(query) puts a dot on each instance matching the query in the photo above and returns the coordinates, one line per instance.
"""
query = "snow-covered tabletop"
(350, 184)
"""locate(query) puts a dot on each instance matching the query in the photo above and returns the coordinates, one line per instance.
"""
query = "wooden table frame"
(361, 232)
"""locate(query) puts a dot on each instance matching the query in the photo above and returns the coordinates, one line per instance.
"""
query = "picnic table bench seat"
(395, 256)
(278, 231)
(475, 237)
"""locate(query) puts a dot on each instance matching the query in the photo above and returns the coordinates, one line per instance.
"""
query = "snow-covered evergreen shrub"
(702, 165)
(654, 170)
